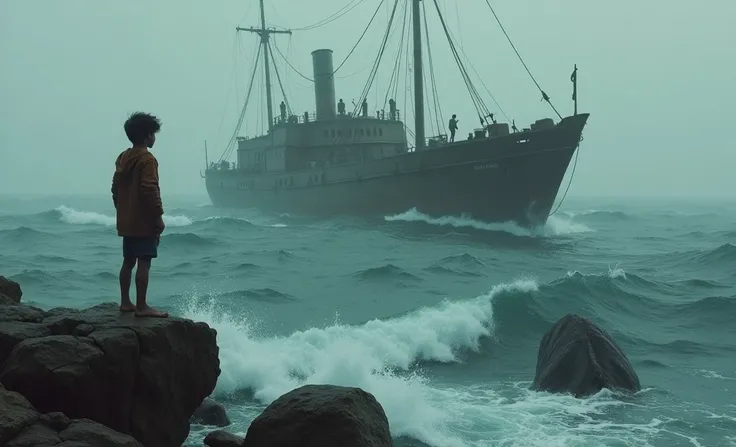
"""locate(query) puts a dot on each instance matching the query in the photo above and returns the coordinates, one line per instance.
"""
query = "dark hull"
(513, 178)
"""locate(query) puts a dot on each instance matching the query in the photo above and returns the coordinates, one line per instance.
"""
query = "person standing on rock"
(137, 199)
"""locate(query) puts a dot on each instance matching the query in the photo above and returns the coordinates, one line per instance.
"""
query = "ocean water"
(439, 318)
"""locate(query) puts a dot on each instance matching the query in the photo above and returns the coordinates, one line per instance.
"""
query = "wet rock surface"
(576, 356)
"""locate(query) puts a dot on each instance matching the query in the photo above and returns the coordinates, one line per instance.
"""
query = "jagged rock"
(26, 314)
(576, 356)
(221, 438)
(22, 426)
(14, 332)
(211, 412)
(10, 292)
(138, 376)
(321, 416)
(16, 413)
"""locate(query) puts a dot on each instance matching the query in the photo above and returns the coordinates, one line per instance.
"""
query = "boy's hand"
(160, 225)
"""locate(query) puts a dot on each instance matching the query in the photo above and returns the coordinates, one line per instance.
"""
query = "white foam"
(378, 356)
(74, 217)
(555, 226)
(613, 273)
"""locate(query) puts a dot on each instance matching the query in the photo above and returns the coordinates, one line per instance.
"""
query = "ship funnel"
(324, 84)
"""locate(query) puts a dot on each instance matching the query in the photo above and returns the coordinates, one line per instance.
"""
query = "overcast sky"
(657, 76)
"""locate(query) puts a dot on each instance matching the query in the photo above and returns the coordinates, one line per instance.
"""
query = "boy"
(137, 199)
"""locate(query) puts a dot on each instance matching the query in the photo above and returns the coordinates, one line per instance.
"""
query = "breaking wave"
(390, 357)
(555, 226)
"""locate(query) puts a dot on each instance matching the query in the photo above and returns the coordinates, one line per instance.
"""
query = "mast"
(265, 36)
(418, 78)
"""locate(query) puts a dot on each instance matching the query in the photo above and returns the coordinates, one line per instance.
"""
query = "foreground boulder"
(577, 357)
(220, 438)
(139, 376)
(321, 416)
(211, 412)
(10, 292)
(22, 426)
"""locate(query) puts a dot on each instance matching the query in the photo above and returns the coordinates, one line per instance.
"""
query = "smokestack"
(324, 84)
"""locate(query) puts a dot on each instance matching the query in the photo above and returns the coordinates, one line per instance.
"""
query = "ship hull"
(514, 178)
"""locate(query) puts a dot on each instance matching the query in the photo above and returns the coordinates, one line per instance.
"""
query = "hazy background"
(657, 76)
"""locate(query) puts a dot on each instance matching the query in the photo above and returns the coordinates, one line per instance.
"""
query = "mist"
(657, 78)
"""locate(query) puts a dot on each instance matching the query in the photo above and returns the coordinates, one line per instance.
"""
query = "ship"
(335, 162)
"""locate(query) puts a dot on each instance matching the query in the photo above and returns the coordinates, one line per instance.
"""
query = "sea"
(439, 318)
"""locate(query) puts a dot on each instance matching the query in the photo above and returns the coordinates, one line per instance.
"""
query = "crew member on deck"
(453, 127)
(392, 109)
(364, 108)
(341, 107)
(283, 111)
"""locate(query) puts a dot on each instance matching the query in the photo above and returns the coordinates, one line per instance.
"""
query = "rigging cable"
(231, 143)
(544, 95)
(360, 38)
(480, 107)
(278, 78)
(372, 75)
(291, 66)
(229, 89)
(500, 109)
(435, 96)
(341, 12)
(395, 71)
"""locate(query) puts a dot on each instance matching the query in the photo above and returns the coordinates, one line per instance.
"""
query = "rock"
(221, 438)
(139, 376)
(211, 412)
(78, 433)
(10, 292)
(321, 416)
(22, 426)
(13, 332)
(16, 413)
(576, 356)
(26, 314)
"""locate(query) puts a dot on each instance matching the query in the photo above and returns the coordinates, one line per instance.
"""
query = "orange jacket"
(136, 194)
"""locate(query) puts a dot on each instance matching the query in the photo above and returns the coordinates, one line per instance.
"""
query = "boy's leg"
(147, 250)
(126, 274)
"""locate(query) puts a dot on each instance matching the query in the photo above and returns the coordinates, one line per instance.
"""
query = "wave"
(184, 240)
(724, 253)
(385, 272)
(721, 256)
(555, 226)
(266, 295)
(24, 234)
(386, 358)
(599, 215)
(75, 217)
(368, 356)
(460, 265)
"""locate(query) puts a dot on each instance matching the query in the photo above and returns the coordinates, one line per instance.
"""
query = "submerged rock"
(321, 416)
(576, 356)
(211, 412)
(10, 292)
(22, 426)
(139, 376)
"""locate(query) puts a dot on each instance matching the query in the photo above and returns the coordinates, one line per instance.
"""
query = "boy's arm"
(149, 187)
(115, 181)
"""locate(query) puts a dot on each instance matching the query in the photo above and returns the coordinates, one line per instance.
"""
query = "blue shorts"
(140, 247)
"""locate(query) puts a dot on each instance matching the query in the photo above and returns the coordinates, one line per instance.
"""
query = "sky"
(658, 78)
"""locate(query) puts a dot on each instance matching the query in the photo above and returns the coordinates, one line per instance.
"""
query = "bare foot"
(127, 307)
(149, 311)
